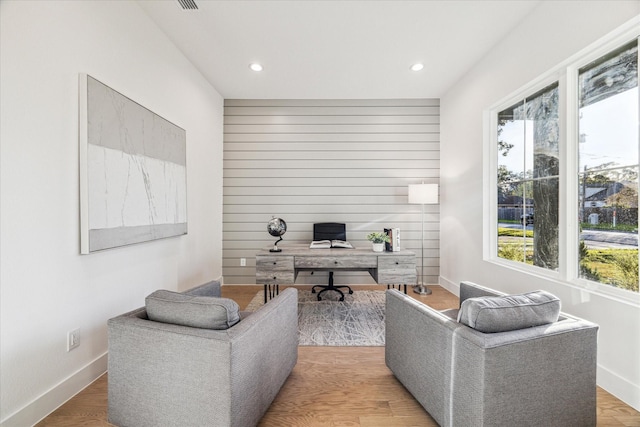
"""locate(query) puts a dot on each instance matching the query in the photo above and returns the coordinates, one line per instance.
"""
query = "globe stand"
(275, 246)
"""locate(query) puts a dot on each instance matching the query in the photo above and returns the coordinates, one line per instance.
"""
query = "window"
(528, 178)
(608, 168)
(586, 147)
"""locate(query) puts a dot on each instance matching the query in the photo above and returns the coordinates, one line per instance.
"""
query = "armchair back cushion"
(504, 313)
(192, 310)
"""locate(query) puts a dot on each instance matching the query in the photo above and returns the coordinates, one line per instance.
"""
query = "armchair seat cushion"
(192, 310)
(509, 312)
(451, 313)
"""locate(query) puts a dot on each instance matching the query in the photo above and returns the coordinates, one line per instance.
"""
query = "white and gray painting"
(136, 172)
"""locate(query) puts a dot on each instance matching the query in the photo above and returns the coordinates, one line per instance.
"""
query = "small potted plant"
(378, 240)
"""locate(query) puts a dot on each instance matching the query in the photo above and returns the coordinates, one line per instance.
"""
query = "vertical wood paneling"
(309, 161)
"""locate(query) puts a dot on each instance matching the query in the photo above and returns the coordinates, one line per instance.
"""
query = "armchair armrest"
(210, 289)
(264, 350)
(473, 290)
(418, 339)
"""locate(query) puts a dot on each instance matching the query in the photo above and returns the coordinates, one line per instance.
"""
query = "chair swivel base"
(326, 288)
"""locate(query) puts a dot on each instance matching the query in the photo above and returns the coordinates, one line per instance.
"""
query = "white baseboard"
(452, 287)
(619, 387)
(58, 395)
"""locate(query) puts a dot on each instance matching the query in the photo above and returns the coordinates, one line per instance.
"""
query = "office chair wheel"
(341, 298)
(350, 291)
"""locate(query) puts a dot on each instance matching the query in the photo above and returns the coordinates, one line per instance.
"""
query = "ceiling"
(336, 49)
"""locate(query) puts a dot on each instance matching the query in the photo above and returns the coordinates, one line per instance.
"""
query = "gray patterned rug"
(356, 321)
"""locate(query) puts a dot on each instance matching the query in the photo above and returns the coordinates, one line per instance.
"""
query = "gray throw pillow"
(192, 310)
(509, 312)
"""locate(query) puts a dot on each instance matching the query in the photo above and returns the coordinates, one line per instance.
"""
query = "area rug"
(356, 321)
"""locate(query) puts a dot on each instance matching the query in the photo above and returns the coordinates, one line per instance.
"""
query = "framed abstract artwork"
(133, 171)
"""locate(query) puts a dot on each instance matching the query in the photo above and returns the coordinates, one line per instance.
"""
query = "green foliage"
(627, 197)
(377, 237)
(615, 267)
(514, 232)
(627, 264)
(503, 146)
(512, 246)
(586, 271)
(604, 226)
(514, 252)
(597, 179)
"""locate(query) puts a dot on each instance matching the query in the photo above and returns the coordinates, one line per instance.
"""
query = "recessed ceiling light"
(417, 67)
(255, 66)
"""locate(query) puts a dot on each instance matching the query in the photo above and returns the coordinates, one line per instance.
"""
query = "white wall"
(552, 33)
(47, 288)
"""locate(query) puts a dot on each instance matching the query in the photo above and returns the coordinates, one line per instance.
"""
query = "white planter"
(378, 247)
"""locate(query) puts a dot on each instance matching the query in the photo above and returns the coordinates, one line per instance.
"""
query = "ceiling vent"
(188, 4)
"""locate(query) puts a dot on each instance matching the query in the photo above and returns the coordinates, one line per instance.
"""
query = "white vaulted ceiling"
(336, 49)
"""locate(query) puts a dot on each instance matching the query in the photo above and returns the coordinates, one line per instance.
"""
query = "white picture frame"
(133, 171)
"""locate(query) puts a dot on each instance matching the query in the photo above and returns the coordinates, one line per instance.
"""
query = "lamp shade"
(423, 194)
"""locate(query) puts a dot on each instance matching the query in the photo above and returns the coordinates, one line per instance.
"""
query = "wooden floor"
(330, 386)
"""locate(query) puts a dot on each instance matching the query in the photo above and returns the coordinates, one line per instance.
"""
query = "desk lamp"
(423, 194)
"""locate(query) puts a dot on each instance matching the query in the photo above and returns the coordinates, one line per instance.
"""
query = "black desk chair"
(330, 231)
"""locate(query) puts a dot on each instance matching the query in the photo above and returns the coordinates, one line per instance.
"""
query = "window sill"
(599, 289)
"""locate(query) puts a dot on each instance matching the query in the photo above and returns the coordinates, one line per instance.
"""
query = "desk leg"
(272, 290)
(399, 287)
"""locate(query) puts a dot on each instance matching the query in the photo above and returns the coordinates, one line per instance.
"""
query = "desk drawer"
(274, 269)
(397, 270)
(337, 262)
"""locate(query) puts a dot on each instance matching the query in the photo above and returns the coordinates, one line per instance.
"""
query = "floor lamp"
(423, 194)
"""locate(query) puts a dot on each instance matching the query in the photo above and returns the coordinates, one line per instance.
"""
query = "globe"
(276, 227)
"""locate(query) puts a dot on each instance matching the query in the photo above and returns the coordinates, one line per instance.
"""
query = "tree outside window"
(528, 181)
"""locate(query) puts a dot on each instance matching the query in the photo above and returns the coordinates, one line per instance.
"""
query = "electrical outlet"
(243, 262)
(73, 339)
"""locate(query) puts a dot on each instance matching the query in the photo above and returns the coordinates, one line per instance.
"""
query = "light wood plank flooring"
(330, 386)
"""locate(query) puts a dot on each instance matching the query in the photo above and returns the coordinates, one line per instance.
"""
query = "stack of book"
(394, 235)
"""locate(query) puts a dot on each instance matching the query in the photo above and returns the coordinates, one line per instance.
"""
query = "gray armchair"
(540, 375)
(163, 374)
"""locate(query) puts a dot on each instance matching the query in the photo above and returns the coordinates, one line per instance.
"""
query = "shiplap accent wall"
(309, 161)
